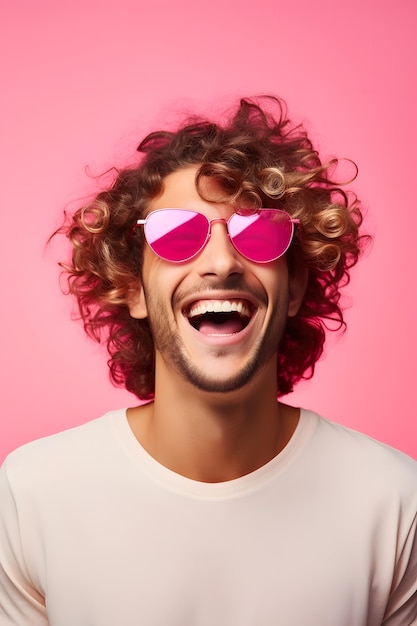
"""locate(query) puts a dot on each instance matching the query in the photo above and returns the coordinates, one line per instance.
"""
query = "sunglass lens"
(263, 236)
(176, 235)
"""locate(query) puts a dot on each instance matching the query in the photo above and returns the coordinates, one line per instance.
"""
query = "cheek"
(153, 269)
(160, 278)
(274, 278)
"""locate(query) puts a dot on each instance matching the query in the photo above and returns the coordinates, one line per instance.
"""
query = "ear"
(136, 301)
(297, 285)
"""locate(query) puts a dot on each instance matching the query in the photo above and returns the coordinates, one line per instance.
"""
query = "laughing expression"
(216, 320)
(219, 317)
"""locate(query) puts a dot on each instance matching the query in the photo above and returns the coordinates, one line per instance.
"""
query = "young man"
(210, 269)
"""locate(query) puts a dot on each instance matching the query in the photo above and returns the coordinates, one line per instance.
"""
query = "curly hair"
(257, 156)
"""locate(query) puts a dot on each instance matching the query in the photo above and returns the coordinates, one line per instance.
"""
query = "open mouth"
(219, 317)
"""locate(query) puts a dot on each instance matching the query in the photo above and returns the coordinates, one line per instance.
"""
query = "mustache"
(231, 284)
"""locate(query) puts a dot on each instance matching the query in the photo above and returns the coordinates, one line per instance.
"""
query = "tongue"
(227, 327)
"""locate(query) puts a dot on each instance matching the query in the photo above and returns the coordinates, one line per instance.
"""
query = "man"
(210, 269)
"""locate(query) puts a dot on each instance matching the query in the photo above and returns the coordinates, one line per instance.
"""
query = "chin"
(227, 384)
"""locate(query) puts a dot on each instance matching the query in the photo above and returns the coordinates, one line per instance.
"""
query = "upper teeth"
(219, 306)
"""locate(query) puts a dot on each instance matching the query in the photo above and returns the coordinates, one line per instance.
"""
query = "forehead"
(179, 191)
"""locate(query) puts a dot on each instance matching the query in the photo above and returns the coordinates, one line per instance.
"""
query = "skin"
(215, 416)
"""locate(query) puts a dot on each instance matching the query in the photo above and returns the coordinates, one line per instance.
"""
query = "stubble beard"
(172, 351)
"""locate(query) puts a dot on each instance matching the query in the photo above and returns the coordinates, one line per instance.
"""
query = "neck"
(213, 437)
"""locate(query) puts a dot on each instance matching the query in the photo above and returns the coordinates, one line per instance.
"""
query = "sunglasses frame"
(241, 212)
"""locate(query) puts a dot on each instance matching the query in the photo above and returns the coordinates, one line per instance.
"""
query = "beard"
(172, 350)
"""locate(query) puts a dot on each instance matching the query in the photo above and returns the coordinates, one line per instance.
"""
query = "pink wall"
(84, 80)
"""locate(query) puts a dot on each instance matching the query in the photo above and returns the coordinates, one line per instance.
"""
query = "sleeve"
(402, 605)
(20, 602)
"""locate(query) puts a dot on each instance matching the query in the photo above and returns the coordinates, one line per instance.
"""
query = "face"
(217, 320)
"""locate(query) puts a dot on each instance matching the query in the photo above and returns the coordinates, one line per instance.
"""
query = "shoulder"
(346, 439)
(62, 452)
(362, 460)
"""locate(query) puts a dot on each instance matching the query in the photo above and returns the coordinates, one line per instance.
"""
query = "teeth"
(219, 306)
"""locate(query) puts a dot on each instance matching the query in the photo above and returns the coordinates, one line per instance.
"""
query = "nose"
(219, 257)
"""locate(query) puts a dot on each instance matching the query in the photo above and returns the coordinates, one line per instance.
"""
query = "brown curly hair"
(258, 156)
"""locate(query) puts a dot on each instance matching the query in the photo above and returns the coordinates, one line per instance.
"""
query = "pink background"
(84, 81)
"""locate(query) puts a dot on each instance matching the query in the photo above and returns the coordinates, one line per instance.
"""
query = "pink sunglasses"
(178, 235)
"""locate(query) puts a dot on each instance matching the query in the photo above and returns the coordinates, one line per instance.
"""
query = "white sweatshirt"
(95, 532)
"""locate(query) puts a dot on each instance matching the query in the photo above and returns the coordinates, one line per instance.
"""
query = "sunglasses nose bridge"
(216, 219)
(221, 254)
(213, 221)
